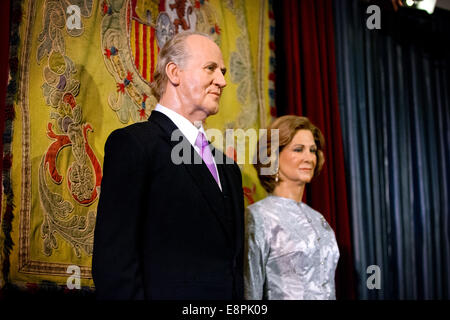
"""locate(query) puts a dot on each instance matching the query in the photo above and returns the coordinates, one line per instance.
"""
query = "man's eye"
(212, 68)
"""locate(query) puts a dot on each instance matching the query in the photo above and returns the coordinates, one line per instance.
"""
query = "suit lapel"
(196, 168)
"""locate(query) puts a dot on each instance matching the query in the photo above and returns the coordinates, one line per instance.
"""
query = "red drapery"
(310, 89)
(4, 59)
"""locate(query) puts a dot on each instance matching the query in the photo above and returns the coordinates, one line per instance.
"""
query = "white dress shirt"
(187, 129)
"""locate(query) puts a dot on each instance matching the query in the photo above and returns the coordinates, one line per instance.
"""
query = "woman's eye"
(298, 149)
(313, 150)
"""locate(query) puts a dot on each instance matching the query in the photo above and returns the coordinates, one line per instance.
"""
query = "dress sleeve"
(256, 253)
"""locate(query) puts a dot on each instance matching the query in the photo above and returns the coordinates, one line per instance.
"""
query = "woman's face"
(298, 159)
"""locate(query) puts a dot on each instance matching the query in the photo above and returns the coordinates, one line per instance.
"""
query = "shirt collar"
(187, 128)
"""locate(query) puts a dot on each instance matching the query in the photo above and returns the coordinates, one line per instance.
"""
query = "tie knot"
(201, 141)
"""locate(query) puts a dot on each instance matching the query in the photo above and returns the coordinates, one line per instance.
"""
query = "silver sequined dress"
(291, 252)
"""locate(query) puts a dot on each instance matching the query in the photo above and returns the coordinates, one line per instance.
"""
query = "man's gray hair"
(174, 50)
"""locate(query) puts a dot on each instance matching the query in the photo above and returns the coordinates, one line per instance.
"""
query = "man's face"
(201, 78)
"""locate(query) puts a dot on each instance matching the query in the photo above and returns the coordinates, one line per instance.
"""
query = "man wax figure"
(167, 230)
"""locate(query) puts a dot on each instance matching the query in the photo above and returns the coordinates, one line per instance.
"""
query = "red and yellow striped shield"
(142, 16)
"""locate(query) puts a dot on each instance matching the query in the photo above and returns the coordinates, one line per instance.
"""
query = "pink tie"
(205, 153)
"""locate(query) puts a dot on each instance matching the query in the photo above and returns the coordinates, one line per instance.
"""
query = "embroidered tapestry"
(84, 69)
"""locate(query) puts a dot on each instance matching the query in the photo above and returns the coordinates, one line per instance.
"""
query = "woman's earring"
(277, 177)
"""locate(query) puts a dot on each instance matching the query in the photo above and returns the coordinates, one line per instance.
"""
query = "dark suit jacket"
(166, 231)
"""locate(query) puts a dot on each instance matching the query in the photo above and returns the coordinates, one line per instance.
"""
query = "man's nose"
(219, 80)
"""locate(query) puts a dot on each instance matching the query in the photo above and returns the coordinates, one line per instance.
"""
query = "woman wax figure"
(291, 251)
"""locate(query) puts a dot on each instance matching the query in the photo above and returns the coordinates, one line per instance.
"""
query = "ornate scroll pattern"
(76, 230)
(66, 129)
(51, 36)
(241, 71)
(133, 98)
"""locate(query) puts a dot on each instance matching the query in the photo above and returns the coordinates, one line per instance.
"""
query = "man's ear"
(172, 72)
